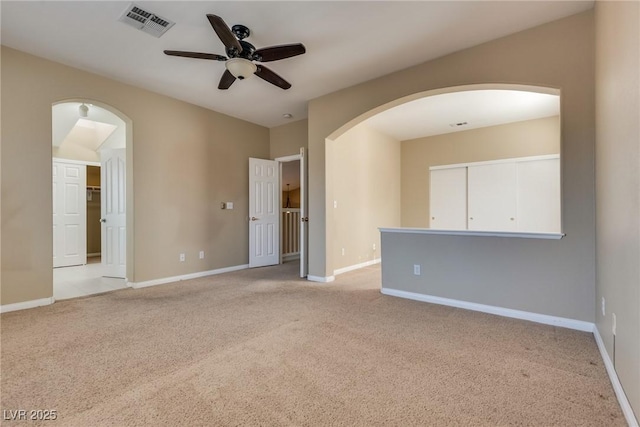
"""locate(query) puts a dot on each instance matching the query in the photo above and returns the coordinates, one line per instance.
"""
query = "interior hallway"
(83, 280)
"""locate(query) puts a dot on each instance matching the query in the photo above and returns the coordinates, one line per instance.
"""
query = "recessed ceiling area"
(347, 43)
(89, 134)
(460, 111)
(80, 138)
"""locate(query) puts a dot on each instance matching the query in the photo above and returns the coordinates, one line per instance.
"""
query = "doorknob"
(253, 218)
(103, 220)
(305, 219)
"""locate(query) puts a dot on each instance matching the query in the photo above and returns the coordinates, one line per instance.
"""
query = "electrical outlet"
(342, 251)
(374, 246)
(182, 257)
(603, 307)
(201, 254)
(614, 326)
(335, 204)
(416, 269)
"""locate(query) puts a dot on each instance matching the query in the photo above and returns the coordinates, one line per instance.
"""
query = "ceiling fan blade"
(226, 80)
(224, 33)
(197, 55)
(266, 74)
(275, 53)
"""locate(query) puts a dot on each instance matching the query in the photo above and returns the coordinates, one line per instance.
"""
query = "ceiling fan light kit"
(243, 55)
(241, 68)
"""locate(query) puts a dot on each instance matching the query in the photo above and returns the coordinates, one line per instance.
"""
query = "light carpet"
(263, 347)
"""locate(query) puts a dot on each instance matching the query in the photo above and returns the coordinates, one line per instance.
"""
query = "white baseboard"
(164, 280)
(562, 322)
(321, 279)
(356, 266)
(26, 304)
(615, 382)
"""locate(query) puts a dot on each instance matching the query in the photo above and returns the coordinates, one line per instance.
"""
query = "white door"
(492, 197)
(539, 196)
(69, 214)
(113, 212)
(264, 212)
(448, 199)
(304, 220)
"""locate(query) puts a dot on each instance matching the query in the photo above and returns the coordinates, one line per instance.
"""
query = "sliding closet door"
(539, 196)
(493, 197)
(448, 199)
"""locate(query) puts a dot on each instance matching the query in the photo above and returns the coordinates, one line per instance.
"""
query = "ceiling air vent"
(145, 21)
(458, 124)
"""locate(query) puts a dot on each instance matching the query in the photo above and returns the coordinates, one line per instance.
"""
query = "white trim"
(290, 158)
(494, 162)
(75, 162)
(320, 279)
(26, 304)
(551, 236)
(615, 382)
(138, 285)
(561, 322)
(356, 266)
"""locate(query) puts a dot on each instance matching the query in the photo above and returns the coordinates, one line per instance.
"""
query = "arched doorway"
(92, 198)
(370, 188)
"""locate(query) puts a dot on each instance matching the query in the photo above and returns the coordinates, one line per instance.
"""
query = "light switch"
(229, 205)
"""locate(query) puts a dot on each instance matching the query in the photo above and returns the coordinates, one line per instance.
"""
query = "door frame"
(304, 255)
(130, 208)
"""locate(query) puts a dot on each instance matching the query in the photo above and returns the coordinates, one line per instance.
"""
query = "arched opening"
(475, 157)
(92, 158)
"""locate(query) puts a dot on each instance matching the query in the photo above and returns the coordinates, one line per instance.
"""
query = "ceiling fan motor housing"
(240, 31)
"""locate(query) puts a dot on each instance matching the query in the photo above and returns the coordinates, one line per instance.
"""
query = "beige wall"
(618, 187)
(557, 55)
(366, 179)
(186, 160)
(93, 176)
(294, 198)
(94, 228)
(94, 236)
(286, 140)
(521, 139)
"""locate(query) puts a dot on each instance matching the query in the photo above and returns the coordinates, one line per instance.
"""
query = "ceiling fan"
(242, 55)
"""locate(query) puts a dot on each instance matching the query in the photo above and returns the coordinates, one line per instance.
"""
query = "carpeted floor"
(262, 347)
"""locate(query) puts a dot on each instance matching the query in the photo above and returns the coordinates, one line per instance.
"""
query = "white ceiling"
(89, 134)
(347, 43)
(441, 114)
(100, 127)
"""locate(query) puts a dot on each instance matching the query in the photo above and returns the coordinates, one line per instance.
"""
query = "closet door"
(448, 199)
(69, 214)
(492, 197)
(539, 196)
